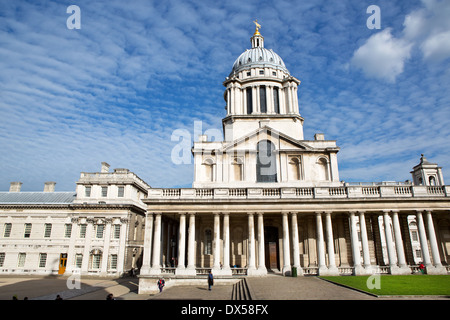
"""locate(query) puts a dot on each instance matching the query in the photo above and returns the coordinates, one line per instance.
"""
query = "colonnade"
(325, 243)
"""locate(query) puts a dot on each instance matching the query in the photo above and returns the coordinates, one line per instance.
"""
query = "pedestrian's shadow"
(201, 288)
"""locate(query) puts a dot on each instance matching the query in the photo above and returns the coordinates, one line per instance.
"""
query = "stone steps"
(241, 291)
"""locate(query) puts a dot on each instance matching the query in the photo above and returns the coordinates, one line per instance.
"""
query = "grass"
(398, 285)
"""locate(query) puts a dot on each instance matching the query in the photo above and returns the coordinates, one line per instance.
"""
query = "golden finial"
(257, 27)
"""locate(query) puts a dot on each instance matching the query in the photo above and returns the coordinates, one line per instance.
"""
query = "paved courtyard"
(272, 287)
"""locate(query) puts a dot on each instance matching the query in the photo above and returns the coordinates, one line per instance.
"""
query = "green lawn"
(398, 285)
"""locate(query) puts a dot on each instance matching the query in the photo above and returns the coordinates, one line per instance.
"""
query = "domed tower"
(263, 131)
(261, 91)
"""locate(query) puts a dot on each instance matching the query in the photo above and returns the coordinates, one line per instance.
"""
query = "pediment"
(280, 140)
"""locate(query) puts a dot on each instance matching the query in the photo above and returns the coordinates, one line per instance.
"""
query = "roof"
(258, 57)
(37, 197)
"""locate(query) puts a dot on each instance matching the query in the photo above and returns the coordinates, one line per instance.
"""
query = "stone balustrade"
(350, 191)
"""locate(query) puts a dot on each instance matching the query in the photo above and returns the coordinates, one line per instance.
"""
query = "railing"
(347, 191)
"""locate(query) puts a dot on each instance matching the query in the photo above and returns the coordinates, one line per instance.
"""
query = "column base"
(154, 271)
(396, 270)
(287, 271)
(330, 271)
(221, 272)
(253, 272)
(359, 271)
(436, 270)
(183, 271)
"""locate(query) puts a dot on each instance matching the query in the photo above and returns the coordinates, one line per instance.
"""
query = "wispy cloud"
(116, 89)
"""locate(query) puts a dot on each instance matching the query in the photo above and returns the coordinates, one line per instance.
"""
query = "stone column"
(404, 269)
(87, 244)
(365, 242)
(156, 254)
(107, 241)
(216, 251)
(286, 248)
(226, 244)
(423, 240)
(332, 269)
(168, 251)
(146, 258)
(438, 268)
(320, 245)
(261, 250)
(181, 245)
(389, 242)
(296, 249)
(190, 270)
(251, 246)
(355, 246)
(122, 245)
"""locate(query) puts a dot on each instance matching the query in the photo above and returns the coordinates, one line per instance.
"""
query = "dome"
(258, 57)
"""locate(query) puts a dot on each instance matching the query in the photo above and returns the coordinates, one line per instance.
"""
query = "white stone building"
(267, 200)
(263, 200)
(97, 230)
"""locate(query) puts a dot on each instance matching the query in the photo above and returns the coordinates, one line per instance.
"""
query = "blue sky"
(116, 89)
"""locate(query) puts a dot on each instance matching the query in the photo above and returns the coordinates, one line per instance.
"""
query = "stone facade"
(266, 200)
(97, 230)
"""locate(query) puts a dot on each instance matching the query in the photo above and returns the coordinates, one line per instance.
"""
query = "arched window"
(432, 181)
(237, 170)
(322, 165)
(294, 169)
(266, 164)
(208, 166)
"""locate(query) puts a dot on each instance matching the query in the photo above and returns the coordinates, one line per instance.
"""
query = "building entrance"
(271, 248)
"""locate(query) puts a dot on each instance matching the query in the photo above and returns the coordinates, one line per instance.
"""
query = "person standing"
(210, 280)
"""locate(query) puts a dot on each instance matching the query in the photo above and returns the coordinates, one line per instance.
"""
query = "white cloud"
(382, 56)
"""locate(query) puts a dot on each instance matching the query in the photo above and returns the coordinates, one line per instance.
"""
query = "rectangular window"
(418, 253)
(42, 260)
(100, 230)
(48, 230)
(2, 259)
(121, 192)
(249, 100)
(113, 262)
(21, 259)
(67, 230)
(7, 230)
(261, 72)
(87, 191)
(276, 100)
(262, 99)
(96, 260)
(78, 260)
(82, 231)
(117, 231)
(104, 191)
(414, 236)
(27, 232)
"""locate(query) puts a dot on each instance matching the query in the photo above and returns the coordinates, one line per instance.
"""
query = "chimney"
(105, 167)
(15, 186)
(49, 186)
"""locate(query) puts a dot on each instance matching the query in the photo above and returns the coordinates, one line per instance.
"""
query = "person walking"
(161, 284)
(210, 280)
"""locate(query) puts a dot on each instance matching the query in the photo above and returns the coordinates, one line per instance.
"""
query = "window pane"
(249, 101)
(87, 191)
(68, 230)
(100, 229)
(42, 260)
(7, 231)
(262, 98)
(276, 101)
(82, 231)
(27, 232)
(121, 192)
(48, 230)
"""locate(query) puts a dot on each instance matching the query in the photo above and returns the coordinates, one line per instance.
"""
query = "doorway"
(271, 248)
